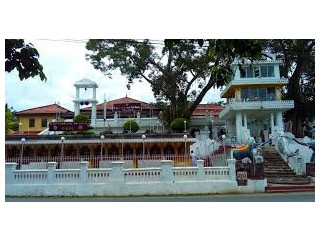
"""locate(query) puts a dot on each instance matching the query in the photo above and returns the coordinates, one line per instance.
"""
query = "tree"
(24, 58)
(81, 118)
(299, 67)
(131, 125)
(11, 121)
(180, 73)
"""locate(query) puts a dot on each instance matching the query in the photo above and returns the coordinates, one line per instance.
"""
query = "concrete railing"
(256, 105)
(117, 181)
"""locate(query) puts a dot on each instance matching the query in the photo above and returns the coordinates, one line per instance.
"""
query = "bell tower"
(85, 84)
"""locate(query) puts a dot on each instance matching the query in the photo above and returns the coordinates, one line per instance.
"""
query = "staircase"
(280, 177)
(274, 165)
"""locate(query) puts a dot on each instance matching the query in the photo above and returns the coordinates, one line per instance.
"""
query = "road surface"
(261, 197)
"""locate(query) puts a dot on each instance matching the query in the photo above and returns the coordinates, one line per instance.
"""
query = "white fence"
(117, 181)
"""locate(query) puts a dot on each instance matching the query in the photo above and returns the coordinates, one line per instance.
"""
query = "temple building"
(254, 106)
(34, 120)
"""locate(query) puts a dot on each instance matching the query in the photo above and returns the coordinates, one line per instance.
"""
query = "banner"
(67, 126)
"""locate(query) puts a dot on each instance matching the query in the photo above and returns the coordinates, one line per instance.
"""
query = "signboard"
(67, 126)
(127, 106)
(241, 176)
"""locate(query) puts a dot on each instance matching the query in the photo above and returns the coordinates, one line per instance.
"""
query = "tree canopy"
(180, 72)
(24, 58)
(298, 56)
(11, 121)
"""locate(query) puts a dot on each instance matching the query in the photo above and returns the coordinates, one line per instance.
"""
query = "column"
(83, 171)
(200, 165)
(93, 113)
(232, 167)
(76, 108)
(166, 171)
(116, 174)
(245, 119)
(239, 127)
(77, 93)
(51, 169)
(9, 175)
(272, 122)
(280, 122)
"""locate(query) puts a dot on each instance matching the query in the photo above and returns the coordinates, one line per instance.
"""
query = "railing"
(142, 175)
(217, 173)
(30, 176)
(180, 173)
(282, 104)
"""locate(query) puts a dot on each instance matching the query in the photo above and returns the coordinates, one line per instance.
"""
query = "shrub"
(177, 124)
(81, 118)
(131, 124)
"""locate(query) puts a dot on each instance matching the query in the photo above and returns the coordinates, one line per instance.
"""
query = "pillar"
(232, 168)
(200, 166)
(116, 174)
(239, 127)
(83, 171)
(51, 169)
(280, 122)
(272, 122)
(245, 119)
(76, 108)
(93, 113)
(9, 174)
(166, 171)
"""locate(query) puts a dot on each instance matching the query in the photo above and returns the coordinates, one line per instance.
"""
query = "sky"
(64, 63)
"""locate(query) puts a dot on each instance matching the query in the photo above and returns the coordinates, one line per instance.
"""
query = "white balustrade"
(30, 176)
(142, 175)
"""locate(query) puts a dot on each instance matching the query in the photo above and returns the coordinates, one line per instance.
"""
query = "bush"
(131, 124)
(81, 118)
(177, 125)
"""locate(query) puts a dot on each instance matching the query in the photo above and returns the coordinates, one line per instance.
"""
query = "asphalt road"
(262, 197)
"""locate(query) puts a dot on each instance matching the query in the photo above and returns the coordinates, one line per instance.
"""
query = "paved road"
(263, 197)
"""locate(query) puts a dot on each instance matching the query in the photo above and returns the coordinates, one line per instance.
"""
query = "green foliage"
(11, 121)
(177, 125)
(24, 58)
(190, 69)
(81, 118)
(131, 125)
(298, 56)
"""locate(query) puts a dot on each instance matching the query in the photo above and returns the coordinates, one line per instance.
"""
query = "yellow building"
(34, 120)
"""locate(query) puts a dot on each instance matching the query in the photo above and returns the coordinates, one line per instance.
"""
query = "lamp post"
(21, 156)
(185, 126)
(185, 144)
(224, 145)
(101, 150)
(61, 155)
(143, 138)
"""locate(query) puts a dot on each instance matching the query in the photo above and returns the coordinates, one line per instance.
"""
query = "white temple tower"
(85, 84)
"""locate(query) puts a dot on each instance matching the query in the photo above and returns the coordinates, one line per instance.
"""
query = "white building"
(254, 106)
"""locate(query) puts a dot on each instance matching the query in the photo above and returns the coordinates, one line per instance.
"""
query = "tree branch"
(156, 65)
(147, 79)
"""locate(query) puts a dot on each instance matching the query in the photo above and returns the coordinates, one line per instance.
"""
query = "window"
(267, 71)
(262, 93)
(44, 122)
(31, 122)
(244, 94)
(259, 71)
(270, 94)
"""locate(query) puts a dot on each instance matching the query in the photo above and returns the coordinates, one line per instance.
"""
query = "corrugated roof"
(203, 109)
(47, 109)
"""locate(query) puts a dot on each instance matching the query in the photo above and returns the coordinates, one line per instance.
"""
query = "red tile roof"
(48, 109)
(110, 104)
(210, 108)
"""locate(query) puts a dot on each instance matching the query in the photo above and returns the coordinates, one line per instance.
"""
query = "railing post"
(51, 170)
(116, 174)
(166, 170)
(200, 165)
(10, 167)
(232, 168)
(83, 171)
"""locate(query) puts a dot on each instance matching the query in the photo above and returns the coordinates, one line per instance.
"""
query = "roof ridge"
(53, 104)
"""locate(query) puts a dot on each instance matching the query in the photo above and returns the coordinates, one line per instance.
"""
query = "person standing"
(193, 159)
